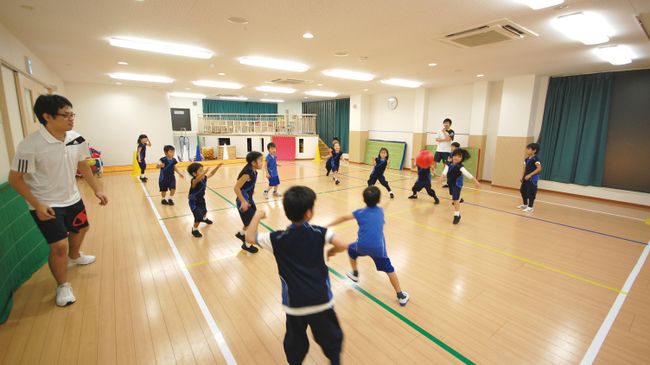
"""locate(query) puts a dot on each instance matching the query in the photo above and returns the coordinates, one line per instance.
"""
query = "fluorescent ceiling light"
(233, 98)
(123, 63)
(275, 89)
(616, 55)
(350, 75)
(187, 95)
(586, 28)
(139, 77)
(479, 75)
(433, 64)
(274, 63)
(402, 82)
(272, 100)
(329, 94)
(308, 35)
(161, 47)
(541, 4)
(218, 84)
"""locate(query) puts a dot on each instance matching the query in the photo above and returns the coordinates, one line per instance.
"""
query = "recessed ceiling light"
(479, 75)
(319, 84)
(221, 74)
(218, 84)
(123, 63)
(140, 77)
(402, 82)
(615, 54)
(308, 35)
(365, 89)
(272, 100)
(276, 89)
(587, 28)
(238, 20)
(187, 88)
(541, 4)
(328, 94)
(274, 63)
(349, 75)
(433, 64)
(341, 54)
(149, 45)
(187, 95)
(233, 98)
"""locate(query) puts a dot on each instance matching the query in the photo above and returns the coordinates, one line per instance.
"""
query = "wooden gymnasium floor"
(502, 287)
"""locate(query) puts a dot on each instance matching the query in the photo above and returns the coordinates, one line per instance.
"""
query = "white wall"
(241, 144)
(492, 128)
(294, 107)
(13, 108)
(186, 103)
(454, 103)
(111, 117)
(393, 125)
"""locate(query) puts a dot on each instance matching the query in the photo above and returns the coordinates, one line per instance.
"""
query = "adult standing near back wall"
(43, 172)
(444, 139)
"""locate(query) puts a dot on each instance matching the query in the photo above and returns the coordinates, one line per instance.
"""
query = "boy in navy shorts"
(272, 171)
(167, 179)
(371, 241)
(532, 168)
(424, 182)
(306, 291)
(197, 194)
(244, 189)
(454, 171)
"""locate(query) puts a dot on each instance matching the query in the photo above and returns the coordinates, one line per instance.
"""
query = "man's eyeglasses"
(67, 115)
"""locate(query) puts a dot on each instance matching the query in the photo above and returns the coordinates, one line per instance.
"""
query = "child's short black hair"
(141, 137)
(371, 196)
(49, 104)
(455, 144)
(534, 147)
(252, 156)
(383, 149)
(193, 168)
(168, 148)
(462, 153)
(447, 120)
(336, 139)
(270, 145)
(297, 201)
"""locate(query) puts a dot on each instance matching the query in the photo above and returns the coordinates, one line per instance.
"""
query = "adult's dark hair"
(297, 201)
(534, 147)
(455, 144)
(141, 137)
(252, 156)
(270, 145)
(383, 149)
(447, 120)
(193, 168)
(49, 104)
(371, 196)
(168, 148)
(462, 153)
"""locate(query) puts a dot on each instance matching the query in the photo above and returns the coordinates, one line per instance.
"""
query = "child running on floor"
(454, 171)
(272, 171)
(381, 164)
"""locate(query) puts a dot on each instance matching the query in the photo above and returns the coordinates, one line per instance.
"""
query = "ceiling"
(398, 40)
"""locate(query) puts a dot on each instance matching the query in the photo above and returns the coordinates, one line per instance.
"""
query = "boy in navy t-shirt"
(532, 168)
(167, 179)
(306, 291)
(272, 171)
(371, 241)
(244, 189)
(424, 182)
(328, 163)
(197, 194)
(454, 172)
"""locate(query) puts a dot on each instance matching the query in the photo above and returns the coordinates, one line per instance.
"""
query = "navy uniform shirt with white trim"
(167, 171)
(531, 164)
(380, 167)
(248, 189)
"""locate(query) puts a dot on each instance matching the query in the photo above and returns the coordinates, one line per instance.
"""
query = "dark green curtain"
(574, 130)
(244, 107)
(332, 119)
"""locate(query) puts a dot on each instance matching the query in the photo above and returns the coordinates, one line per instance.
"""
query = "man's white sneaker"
(523, 206)
(81, 260)
(64, 295)
(528, 210)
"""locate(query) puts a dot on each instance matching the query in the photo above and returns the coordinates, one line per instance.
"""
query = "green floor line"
(385, 306)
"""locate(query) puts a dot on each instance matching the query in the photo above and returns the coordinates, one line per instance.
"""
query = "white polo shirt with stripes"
(50, 166)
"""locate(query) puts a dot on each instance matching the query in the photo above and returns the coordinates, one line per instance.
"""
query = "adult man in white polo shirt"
(444, 138)
(43, 172)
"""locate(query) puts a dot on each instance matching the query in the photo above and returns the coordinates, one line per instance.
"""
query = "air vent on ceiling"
(288, 81)
(493, 32)
(644, 22)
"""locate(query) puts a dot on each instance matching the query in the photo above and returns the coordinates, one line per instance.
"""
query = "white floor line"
(216, 332)
(597, 343)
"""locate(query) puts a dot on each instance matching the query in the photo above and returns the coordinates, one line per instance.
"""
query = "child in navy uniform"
(143, 142)
(197, 194)
(531, 176)
(328, 163)
(336, 161)
(272, 171)
(371, 241)
(167, 179)
(424, 182)
(454, 172)
(306, 291)
(381, 164)
(244, 189)
(454, 147)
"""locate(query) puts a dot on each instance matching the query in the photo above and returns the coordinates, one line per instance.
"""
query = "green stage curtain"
(242, 107)
(573, 138)
(332, 119)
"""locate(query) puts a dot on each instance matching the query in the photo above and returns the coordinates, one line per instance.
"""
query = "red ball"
(424, 159)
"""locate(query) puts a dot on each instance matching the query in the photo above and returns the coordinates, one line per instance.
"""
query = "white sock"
(457, 214)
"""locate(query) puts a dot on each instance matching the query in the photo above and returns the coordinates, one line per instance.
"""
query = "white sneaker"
(350, 274)
(528, 210)
(523, 206)
(405, 299)
(64, 295)
(81, 260)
